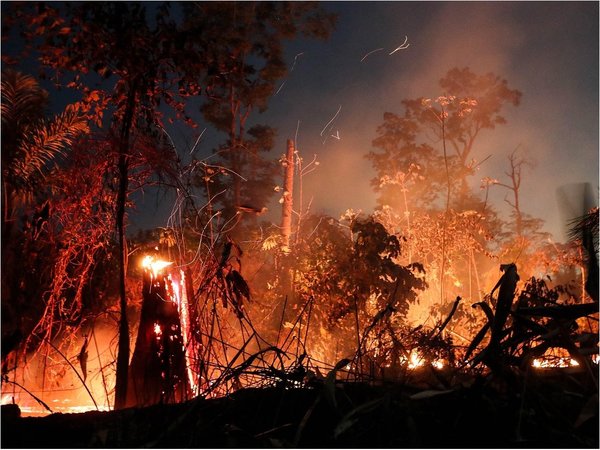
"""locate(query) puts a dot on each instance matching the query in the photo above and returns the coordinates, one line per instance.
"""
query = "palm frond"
(23, 100)
(586, 224)
(47, 141)
(31, 143)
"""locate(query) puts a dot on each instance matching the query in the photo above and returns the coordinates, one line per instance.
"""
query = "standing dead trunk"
(158, 366)
(288, 188)
(123, 345)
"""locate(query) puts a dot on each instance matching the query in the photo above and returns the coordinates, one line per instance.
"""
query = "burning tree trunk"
(158, 368)
(288, 188)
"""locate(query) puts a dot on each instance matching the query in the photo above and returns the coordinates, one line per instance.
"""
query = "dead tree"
(288, 188)
(157, 373)
(492, 354)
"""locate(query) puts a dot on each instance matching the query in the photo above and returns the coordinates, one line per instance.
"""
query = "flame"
(157, 329)
(155, 265)
(554, 357)
(181, 299)
(438, 364)
(543, 363)
(415, 360)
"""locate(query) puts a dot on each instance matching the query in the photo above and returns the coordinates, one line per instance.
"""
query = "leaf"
(589, 411)
(82, 357)
(329, 387)
(94, 96)
(270, 243)
(352, 417)
(429, 393)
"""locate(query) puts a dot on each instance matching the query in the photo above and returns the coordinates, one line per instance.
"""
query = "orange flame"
(155, 265)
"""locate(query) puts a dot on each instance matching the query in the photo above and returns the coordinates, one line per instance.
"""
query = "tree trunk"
(123, 344)
(288, 188)
(158, 366)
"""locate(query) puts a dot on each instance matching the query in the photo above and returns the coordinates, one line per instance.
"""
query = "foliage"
(471, 103)
(342, 267)
(244, 66)
(428, 154)
(32, 147)
(31, 143)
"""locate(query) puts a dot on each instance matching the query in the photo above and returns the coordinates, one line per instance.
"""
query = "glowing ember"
(180, 298)
(415, 361)
(155, 265)
(438, 364)
(157, 329)
(545, 363)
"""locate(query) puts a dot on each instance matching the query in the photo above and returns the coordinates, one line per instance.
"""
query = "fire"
(438, 364)
(554, 357)
(415, 360)
(155, 265)
(181, 296)
(544, 363)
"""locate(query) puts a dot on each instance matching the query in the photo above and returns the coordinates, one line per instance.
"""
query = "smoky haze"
(337, 91)
(548, 51)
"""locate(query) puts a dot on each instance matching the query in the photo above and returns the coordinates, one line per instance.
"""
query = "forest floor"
(557, 409)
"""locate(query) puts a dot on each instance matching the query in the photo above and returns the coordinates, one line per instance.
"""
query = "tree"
(416, 180)
(525, 227)
(245, 65)
(470, 104)
(341, 265)
(32, 145)
(407, 172)
(116, 41)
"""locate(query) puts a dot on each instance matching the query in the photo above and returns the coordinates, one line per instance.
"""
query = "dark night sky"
(547, 50)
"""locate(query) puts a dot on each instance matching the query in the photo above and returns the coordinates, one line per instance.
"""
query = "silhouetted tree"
(245, 64)
(470, 104)
(32, 144)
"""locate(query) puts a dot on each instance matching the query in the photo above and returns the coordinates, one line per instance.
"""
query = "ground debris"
(481, 414)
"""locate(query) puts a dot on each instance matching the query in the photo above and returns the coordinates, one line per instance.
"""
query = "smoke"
(547, 51)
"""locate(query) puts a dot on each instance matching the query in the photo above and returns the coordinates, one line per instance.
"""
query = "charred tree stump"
(157, 373)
